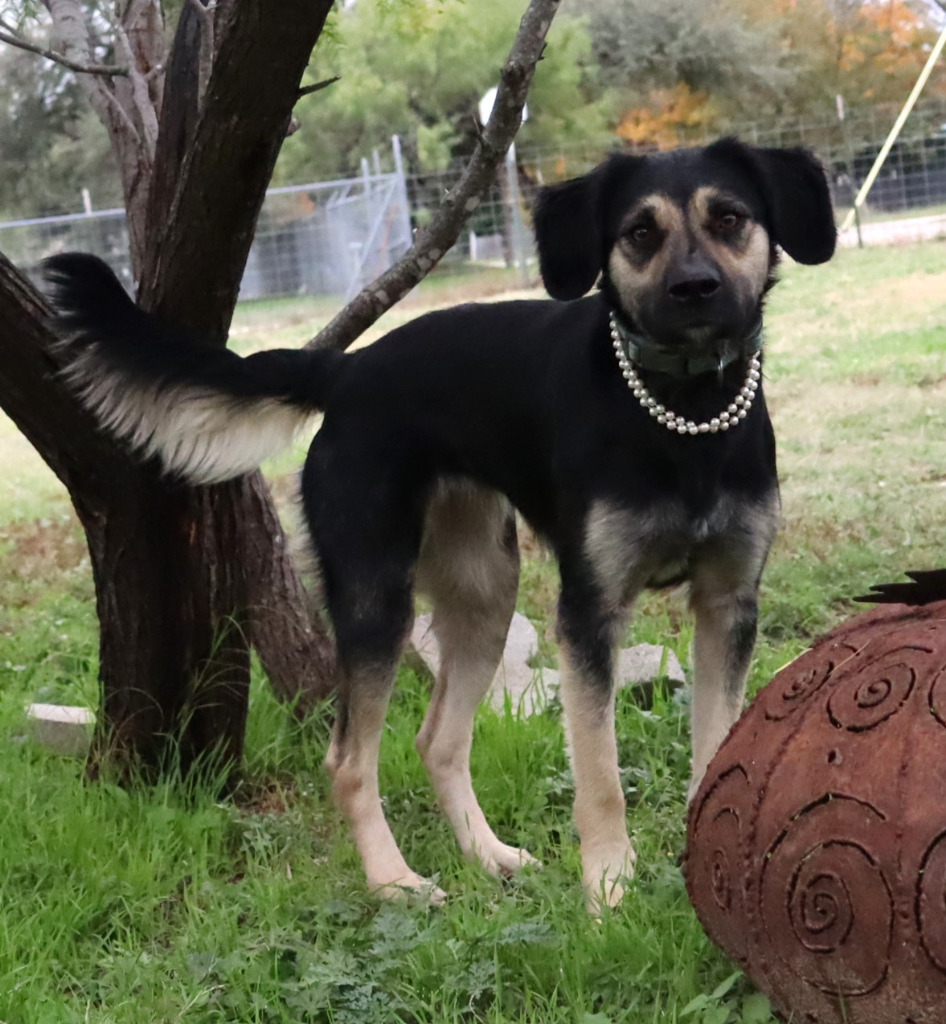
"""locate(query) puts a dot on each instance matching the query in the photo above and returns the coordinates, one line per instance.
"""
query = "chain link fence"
(331, 238)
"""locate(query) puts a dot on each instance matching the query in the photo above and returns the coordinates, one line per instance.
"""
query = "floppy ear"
(796, 193)
(567, 236)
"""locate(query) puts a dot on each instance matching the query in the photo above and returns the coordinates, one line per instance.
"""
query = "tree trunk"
(185, 578)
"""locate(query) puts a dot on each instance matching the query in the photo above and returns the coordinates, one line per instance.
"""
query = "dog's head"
(685, 243)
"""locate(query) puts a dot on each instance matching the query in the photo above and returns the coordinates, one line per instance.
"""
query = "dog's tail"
(205, 412)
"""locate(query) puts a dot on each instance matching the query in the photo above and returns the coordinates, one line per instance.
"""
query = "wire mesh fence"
(331, 238)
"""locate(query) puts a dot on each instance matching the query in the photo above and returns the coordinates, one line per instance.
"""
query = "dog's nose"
(693, 281)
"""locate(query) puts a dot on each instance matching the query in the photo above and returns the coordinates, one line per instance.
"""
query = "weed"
(162, 904)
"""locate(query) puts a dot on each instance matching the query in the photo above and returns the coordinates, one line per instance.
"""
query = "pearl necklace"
(730, 417)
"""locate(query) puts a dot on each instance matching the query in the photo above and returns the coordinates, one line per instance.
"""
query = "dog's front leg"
(587, 692)
(726, 625)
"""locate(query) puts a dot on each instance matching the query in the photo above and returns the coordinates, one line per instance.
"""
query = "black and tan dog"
(628, 427)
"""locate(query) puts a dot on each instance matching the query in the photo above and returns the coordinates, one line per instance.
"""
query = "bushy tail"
(205, 412)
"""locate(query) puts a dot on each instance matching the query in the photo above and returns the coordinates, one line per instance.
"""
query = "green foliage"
(165, 904)
(418, 70)
(53, 145)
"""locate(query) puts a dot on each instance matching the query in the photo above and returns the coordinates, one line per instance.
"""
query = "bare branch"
(432, 241)
(307, 90)
(206, 14)
(140, 95)
(7, 35)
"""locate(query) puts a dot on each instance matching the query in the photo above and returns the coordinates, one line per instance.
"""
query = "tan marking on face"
(743, 257)
(635, 273)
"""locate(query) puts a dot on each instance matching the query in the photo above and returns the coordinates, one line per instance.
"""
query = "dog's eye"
(640, 233)
(729, 220)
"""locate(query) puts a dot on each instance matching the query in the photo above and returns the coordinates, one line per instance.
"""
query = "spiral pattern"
(802, 680)
(931, 902)
(717, 827)
(937, 697)
(868, 693)
(823, 889)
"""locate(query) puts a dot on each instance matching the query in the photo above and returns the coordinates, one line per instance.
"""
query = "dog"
(628, 427)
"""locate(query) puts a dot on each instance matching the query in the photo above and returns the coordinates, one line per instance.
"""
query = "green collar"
(648, 355)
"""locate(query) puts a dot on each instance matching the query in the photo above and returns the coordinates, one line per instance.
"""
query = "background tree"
(187, 579)
(418, 70)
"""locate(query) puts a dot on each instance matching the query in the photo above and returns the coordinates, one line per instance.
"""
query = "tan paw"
(503, 860)
(410, 888)
(605, 873)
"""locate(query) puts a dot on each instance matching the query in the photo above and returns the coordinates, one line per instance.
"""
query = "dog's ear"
(568, 237)
(796, 193)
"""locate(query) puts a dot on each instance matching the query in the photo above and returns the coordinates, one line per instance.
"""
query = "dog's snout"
(695, 288)
(692, 287)
(693, 280)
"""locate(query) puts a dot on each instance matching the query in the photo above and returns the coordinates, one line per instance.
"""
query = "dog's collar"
(731, 416)
(646, 354)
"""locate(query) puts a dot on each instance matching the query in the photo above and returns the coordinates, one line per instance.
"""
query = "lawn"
(166, 905)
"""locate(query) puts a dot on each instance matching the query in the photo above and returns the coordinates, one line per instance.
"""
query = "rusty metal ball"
(816, 853)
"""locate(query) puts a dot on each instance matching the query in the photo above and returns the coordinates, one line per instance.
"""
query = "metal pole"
(898, 125)
(518, 228)
(849, 152)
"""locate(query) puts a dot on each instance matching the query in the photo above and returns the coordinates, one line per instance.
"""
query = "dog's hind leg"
(469, 566)
(366, 557)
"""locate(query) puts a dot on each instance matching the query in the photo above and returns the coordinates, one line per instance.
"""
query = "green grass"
(165, 905)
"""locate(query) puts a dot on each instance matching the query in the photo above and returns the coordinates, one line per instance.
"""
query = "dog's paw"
(412, 889)
(505, 861)
(605, 874)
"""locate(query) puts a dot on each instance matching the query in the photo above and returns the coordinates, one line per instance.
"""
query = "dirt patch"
(40, 554)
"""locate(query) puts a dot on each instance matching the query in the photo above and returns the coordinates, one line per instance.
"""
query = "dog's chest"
(629, 549)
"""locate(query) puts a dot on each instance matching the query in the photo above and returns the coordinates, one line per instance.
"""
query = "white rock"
(642, 664)
(62, 728)
(528, 688)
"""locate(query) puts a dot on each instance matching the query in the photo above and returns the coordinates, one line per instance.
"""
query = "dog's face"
(685, 242)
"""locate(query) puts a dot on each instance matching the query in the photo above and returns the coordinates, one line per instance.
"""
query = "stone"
(816, 843)
(528, 688)
(641, 665)
(61, 728)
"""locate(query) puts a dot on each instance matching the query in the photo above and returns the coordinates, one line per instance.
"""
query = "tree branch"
(307, 90)
(106, 70)
(431, 242)
(206, 13)
(192, 274)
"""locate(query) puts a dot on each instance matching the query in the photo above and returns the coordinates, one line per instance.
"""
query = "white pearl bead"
(731, 417)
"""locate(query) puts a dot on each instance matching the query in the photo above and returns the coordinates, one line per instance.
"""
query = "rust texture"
(816, 850)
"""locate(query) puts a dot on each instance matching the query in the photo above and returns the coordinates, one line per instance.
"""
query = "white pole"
(895, 131)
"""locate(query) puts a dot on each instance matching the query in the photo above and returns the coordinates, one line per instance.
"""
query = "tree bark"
(184, 577)
(187, 578)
